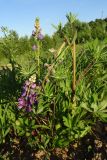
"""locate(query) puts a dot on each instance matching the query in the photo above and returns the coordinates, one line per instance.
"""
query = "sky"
(20, 15)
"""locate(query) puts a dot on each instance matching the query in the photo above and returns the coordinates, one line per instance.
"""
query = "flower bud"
(40, 36)
(34, 47)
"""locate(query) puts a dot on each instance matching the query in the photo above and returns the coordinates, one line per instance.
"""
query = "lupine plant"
(61, 101)
(56, 112)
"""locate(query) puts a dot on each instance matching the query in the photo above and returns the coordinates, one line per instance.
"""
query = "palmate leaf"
(71, 18)
(100, 107)
(98, 110)
(28, 69)
(85, 106)
(67, 121)
(43, 107)
(102, 111)
(85, 131)
(102, 116)
(48, 90)
(103, 105)
(94, 107)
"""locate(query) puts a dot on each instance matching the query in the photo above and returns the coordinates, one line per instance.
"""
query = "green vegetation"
(53, 90)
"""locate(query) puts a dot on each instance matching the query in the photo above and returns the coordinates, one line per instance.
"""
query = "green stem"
(74, 73)
(38, 54)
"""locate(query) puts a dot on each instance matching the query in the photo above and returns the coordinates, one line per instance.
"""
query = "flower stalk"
(38, 38)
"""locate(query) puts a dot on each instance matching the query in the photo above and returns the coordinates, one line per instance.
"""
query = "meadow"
(53, 93)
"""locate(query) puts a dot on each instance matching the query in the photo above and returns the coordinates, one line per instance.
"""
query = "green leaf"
(94, 106)
(6, 132)
(103, 105)
(67, 121)
(40, 109)
(26, 122)
(33, 122)
(85, 106)
(57, 126)
(87, 130)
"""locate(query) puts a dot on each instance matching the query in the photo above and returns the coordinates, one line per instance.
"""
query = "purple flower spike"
(28, 97)
(40, 36)
(34, 47)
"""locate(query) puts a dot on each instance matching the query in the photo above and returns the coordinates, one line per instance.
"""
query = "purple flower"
(32, 92)
(23, 93)
(28, 101)
(33, 33)
(33, 85)
(36, 103)
(21, 103)
(40, 36)
(34, 47)
(32, 99)
(25, 89)
(20, 107)
(28, 109)
(27, 83)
